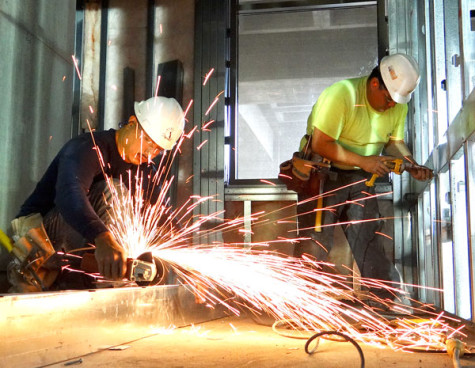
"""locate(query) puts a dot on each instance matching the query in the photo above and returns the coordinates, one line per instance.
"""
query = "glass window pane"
(285, 61)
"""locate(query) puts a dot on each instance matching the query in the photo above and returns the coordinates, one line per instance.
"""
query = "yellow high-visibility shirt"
(343, 112)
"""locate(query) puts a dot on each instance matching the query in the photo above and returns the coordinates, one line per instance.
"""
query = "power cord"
(323, 333)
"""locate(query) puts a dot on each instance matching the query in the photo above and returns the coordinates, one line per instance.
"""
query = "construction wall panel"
(37, 43)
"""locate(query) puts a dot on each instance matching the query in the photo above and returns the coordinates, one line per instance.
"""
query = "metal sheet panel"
(44, 328)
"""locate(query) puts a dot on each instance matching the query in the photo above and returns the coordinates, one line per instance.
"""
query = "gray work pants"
(364, 243)
(62, 235)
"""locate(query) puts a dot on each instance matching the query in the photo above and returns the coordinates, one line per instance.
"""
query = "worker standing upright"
(350, 125)
(70, 201)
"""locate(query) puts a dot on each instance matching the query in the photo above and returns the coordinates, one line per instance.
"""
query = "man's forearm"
(327, 147)
(336, 153)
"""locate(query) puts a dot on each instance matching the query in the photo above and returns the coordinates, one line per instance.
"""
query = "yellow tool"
(6, 241)
(396, 166)
(318, 215)
(325, 165)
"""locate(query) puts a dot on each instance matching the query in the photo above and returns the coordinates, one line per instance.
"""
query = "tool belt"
(305, 171)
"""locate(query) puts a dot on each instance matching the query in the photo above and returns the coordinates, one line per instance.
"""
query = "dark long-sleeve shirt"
(72, 173)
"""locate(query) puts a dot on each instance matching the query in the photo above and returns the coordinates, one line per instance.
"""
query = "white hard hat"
(162, 119)
(400, 74)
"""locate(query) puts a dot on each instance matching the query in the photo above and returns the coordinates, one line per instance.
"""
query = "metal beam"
(252, 7)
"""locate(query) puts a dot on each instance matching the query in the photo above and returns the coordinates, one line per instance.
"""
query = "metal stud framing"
(210, 53)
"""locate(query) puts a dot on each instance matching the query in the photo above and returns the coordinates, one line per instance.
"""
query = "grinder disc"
(162, 270)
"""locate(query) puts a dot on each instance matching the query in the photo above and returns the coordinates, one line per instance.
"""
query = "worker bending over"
(350, 125)
(71, 197)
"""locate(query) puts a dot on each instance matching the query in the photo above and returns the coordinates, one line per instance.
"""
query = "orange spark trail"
(353, 222)
(188, 107)
(267, 182)
(216, 99)
(75, 61)
(289, 289)
(212, 105)
(295, 291)
(202, 144)
(207, 76)
(383, 234)
(207, 124)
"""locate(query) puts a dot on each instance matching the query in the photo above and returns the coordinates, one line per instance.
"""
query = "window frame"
(269, 185)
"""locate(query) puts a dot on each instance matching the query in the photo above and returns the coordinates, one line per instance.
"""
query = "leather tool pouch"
(305, 171)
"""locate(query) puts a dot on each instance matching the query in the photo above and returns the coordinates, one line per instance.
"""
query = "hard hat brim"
(400, 99)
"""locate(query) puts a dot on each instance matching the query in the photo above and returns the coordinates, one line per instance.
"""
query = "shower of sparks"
(75, 61)
(240, 277)
(297, 291)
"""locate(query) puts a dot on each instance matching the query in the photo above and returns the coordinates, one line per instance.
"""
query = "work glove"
(31, 250)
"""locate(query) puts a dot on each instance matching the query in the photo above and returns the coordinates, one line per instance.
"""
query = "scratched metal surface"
(43, 328)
